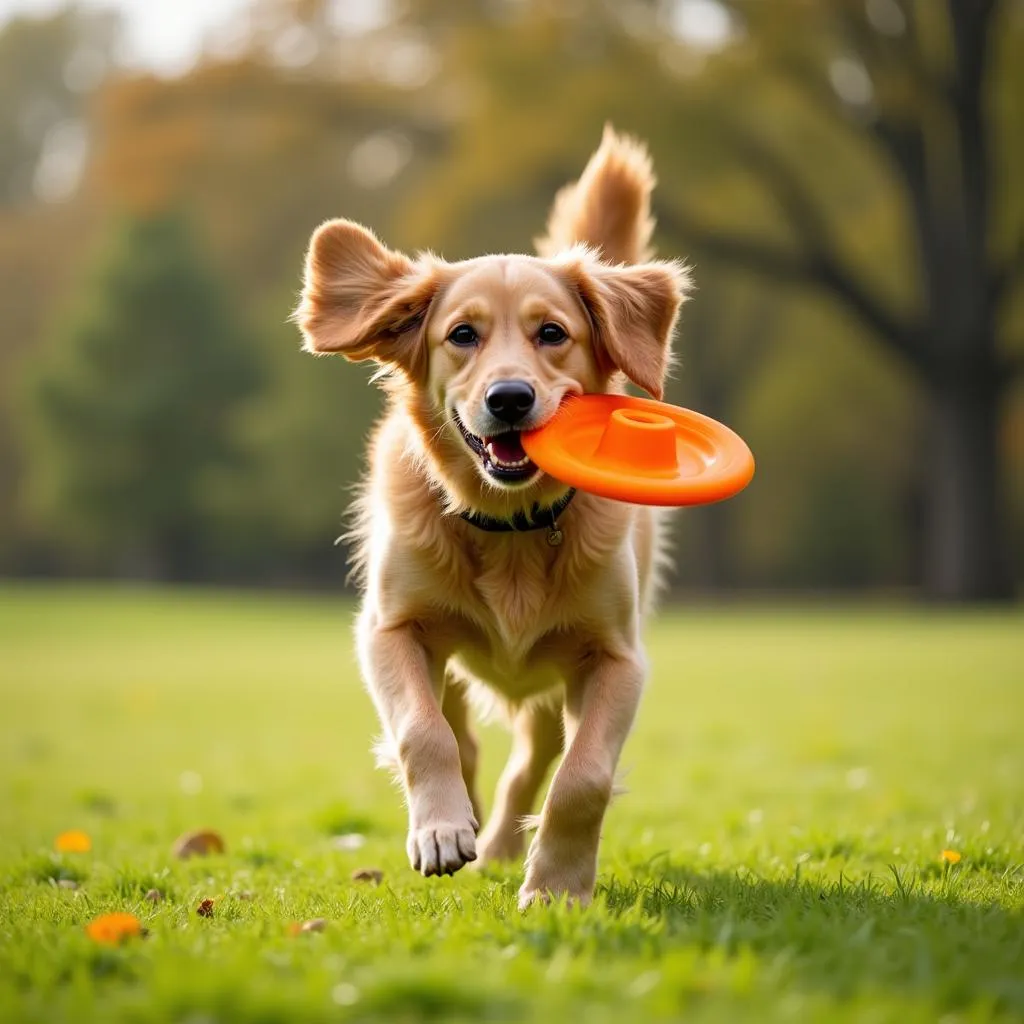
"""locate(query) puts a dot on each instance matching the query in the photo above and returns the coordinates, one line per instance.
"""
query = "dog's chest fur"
(515, 613)
(505, 609)
(500, 611)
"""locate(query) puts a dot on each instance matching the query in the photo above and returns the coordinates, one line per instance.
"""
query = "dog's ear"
(633, 310)
(363, 300)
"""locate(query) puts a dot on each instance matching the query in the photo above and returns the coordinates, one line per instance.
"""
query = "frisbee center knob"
(639, 439)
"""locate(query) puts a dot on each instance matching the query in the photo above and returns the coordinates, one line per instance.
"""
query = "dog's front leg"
(406, 689)
(599, 709)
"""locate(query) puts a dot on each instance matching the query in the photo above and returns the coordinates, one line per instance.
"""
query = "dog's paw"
(530, 895)
(558, 871)
(442, 848)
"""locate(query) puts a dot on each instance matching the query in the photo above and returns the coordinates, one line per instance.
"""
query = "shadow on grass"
(932, 938)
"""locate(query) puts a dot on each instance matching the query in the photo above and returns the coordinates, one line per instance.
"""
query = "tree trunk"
(966, 555)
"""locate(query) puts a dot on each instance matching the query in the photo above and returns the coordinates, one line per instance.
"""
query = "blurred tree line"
(845, 175)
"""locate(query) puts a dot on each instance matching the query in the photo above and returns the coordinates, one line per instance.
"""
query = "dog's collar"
(536, 519)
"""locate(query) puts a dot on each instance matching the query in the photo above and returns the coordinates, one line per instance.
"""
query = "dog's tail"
(609, 208)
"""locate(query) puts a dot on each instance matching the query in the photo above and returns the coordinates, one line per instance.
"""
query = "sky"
(162, 34)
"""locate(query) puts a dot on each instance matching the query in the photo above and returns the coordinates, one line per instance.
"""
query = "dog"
(486, 582)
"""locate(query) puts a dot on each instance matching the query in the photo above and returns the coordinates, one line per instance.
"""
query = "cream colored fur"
(454, 617)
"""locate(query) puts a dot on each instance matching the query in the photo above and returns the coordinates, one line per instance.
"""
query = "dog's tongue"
(507, 447)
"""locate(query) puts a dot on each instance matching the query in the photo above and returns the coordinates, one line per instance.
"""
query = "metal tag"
(555, 537)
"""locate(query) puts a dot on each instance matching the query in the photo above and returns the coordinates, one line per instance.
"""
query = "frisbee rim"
(731, 469)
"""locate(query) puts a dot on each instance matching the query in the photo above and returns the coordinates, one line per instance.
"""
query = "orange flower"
(949, 857)
(72, 842)
(113, 929)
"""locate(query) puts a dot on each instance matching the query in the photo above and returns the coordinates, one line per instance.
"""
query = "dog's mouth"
(502, 455)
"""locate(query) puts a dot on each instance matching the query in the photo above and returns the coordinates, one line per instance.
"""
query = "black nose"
(510, 400)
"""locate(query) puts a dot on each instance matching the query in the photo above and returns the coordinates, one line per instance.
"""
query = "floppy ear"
(633, 310)
(363, 300)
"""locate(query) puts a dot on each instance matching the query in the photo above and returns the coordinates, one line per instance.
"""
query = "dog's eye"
(551, 334)
(463, 335)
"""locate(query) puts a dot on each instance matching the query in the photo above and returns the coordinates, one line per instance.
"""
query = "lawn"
(793, 780)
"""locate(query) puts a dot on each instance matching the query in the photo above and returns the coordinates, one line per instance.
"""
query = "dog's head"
(491, 346)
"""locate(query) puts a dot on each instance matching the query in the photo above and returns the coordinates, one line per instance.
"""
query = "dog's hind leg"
(455, 709)
(537, 739)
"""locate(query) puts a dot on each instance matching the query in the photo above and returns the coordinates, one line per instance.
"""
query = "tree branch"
(815, 270)
(900, 141)
(819, 264)
(766, 164)
(901, 144)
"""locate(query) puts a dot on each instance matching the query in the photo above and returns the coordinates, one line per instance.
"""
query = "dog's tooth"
(504, 463)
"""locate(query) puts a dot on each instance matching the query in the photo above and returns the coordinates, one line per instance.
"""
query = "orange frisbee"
(641, 451)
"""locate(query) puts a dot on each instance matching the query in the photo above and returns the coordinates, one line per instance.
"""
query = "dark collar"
(537, 519)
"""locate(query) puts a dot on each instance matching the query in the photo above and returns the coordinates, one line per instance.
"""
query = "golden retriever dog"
(486, 582)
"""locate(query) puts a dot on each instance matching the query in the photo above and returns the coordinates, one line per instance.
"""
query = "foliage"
(793, 780)
(135, 406)
(449, 126)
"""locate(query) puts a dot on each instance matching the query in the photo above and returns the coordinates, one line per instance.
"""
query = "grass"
(793, 777)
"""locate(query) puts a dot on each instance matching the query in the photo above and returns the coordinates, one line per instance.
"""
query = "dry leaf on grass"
(113, 929)
(200, 843)
(205, 909)
(374, 875)
(317, 924)
(73, 841)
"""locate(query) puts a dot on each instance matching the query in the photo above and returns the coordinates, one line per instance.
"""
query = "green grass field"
(793, 779)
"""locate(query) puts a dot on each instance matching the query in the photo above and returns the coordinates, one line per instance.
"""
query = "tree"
(866, 153)
(134, 405)
(914, 85)
(49, 67)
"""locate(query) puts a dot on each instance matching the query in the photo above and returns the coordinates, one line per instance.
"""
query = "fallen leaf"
(317, 924)
(74, 841)
(374, 875)
(198, 844)
(113, 929)
(154, 896)
(950, 857)
(205, 909)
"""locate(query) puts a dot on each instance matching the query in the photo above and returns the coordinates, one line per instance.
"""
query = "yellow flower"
(949, 857)
(113, 929)
(72, 842)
